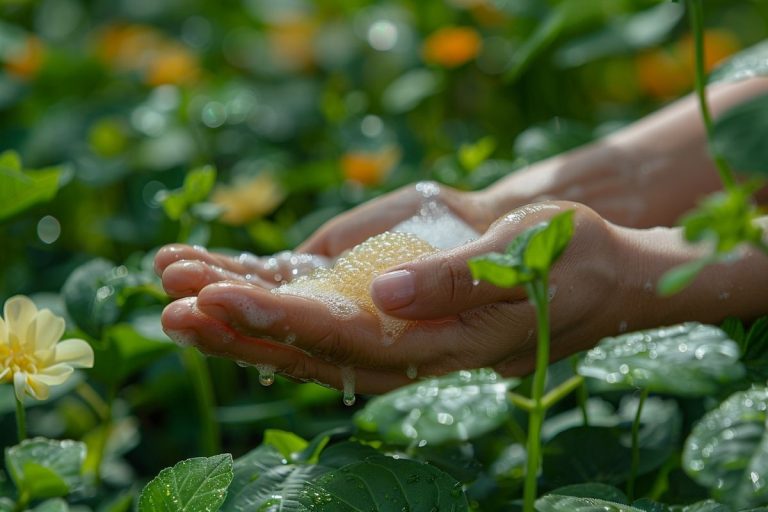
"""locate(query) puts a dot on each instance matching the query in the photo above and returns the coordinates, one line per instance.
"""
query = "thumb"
(440, 285)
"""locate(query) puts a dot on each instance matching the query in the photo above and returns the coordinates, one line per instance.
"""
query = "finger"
(169, 254)
(442, 284)
(350, 338)
(186, 278)
(187, 325)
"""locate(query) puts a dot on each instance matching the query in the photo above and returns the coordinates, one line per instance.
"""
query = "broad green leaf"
(54, 505)
(740, 133)
(727, 450)
(688, 359)
(500, 270)
(265, 479)
(556, 503)
(21, 189)
(622, 35)
(647, 505)
(679, 277)
(456, 407)
(457, 460)
(287, 443)
(472, 155)
(197, 185)
(593, 490)
(746, 64)
(549, 243)
(45, 468)
(90, 296)
(704, 506)
(386, 485)
(189, 486)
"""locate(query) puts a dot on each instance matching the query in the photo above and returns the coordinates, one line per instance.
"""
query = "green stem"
(561, 391)
(635, 446)
(105, 413)
(696, 14)
(537, 292)
(582, 394)
(21, 420)
(201, 379)
(521, 402)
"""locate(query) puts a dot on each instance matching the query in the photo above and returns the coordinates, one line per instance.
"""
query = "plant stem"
(582, 394)
(537, 292)
(105, 413)
(520, 401)
(696, 16)
(561, 391)
(635, 446)
(21, 420)
(201, 379)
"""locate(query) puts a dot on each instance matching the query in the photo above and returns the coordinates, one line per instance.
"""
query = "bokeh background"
(305, 109)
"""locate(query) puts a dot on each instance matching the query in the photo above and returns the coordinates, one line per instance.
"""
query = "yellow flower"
(30, 356)
(370, 168)
(451, 47)
(246, 200)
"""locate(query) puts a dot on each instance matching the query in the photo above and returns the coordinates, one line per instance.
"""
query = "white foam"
(436, 224)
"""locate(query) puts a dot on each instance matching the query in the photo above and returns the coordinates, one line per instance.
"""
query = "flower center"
(19, 360)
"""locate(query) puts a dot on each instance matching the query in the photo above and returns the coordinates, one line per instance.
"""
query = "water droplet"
(475, 282)
(348, 385)
(412, 371)
(266, 374)
(623, 326)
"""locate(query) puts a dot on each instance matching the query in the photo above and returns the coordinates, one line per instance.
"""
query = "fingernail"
(394, 290)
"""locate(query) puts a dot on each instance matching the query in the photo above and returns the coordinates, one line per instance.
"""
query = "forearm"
(736, 288)
(647, 174)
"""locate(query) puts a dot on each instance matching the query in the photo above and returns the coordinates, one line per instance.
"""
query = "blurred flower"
(370, 168)
(248, 199)
(25, 60)
(292, 42)
(452, 46)
(139, 48)
(30, 356)
(665, 73)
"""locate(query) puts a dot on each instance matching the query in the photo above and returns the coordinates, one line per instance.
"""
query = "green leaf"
(704, 506)
(500, 270)
(472, 155)
(44, 468)
(21, 189)
(688, 359)
(739, 135)
(548, 139)
(546, 245)
(647, 505)
(287, 443)
(556, 503)
(54, 505)
(384, 484)
(197, 185)
(265, 479)
(679, 277)
(7, 505)
(189, 486)
(409, 90)
(748, 63)
(456, 407)
(593, 490)
(727, 450)
(90, 296)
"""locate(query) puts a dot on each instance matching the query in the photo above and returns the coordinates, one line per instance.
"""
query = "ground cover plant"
(128, 125)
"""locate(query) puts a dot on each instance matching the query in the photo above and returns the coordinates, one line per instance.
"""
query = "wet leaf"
(679, 277)
(384, 484)
(20, 189)
(197, 185)
(44, 468)
(739, 135)
(556, 503)
(686, 360)
(456, 407)
(746, 64)
(727, 450)
(593, 490)
(189, 486)
(287, 443)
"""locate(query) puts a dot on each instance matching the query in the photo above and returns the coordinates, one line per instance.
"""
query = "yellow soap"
(344, 288)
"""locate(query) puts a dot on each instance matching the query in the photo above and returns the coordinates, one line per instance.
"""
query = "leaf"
(748, 63)
(195, 189)
(54, 505)
(456, 407)
(500, 270)
(44, 468)
(593, 490)
(384, 484)
(688, 359)
(189, 486)
(739, 135)
(21, 189)
(472, 155)
(704, 506)
(679, 277)
(287, 443)
(549, 139)
(410, 89)
(622, 35)
(556, 503)
(89, 296)
(546, 246)
(727, 450)
(264, 478)
(647, 505)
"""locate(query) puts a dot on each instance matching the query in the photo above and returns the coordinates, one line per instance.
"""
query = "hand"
(458, 324)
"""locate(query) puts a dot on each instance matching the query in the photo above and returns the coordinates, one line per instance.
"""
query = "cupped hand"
(456, 324)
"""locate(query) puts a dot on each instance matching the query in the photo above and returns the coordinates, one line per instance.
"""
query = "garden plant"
(129, 125)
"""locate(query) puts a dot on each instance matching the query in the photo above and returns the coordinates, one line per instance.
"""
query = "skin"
(645, 175)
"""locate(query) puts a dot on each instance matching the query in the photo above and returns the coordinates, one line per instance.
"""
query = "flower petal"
(45, 330)
(75, 352)
(4, 372)
(19, 312)
(3, 333)
(53, 375)
(19, 385)
(36, 387)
